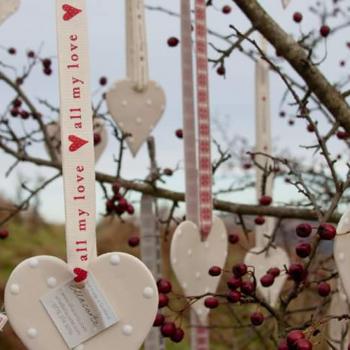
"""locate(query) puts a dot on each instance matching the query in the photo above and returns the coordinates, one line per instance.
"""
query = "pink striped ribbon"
(205, 168)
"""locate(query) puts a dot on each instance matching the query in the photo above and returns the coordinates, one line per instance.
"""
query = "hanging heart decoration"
(89, 302)
(8, 8)
(136, 104)
(200, 241)
(100, 138)
(263, 256)
(191, 259)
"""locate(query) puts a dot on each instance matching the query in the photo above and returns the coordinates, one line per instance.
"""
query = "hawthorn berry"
(159, 320)
(267, 280)
(257, 318)
(233, 238)
(303, 249)
(12, 51)
(297, 272)
(234, 283)
(178, 335)
(265, 200)
(103, 81)
(234, 296)
(297, 17)
(4, 233)
(97, 138)
(326, 231)
(274, 271)
(163, 300)
(259, 220)
(303, 230)
(303, 344)
(179, 133)
(226, 9)
(324, 289)
(215, 271)
(283, 345)
(294, 336)
(134, 241)
(211, 302)
(173, 41)
(221, 70)
(248, 287)
(164, 286)
(168, 329)
(325, 30)
(239, 270)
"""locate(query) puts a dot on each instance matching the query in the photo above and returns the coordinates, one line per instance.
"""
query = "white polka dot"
(52, 282)
(33, 263)
(189, 252)
(198, 275)
(184, 285)
(223, 237)
(199, 311)
(115, 259)
(174, 261)
(207, 290)
(32, 333)
(127, 329)
(15, 289)
(149, 102)
(179, 232)
(148, 293)
(341, 256)
(206, 244)
(124, 103)
(138, 120)
(343, 297)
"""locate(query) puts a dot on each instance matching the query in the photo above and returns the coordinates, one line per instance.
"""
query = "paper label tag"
(79, 314)
(3, 321)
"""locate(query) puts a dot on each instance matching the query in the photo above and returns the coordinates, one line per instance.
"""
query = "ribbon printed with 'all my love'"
(90, 302)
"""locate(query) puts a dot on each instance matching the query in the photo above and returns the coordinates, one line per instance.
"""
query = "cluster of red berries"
(17, 110)
(47, 66)
(168, 329)
(325, 231)
(269, 278)
(118, 204)
(295, 340)
(324, 29)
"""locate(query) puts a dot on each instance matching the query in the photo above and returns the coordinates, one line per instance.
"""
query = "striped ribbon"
(203, 115)
(199, 335)
(78, 158)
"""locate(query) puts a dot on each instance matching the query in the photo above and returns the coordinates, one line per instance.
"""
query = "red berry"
(257, 318)
(215, 271)
(283, 345)
(303, 344)
(173, 41)
(4, 233)
(168, 172)
(134, 241)
(325, 30)
(226, 9)
(303, 249)
(179, 133)
(211, 302)
(234, 296)
(24, 114)
(47, 71)
(12, 51)
(17, 103)
(282, 114)
(297, 272)
(297, 17)
(342, 135)
(178, 335)
(274, 271)
(97, 138)
(159, 320)
(14, 112)
(130, 209)
(304, 230)
(248, 287)
(221, 70)
(324, 289)
(310, 128)
(47, 62)
(265, 200)
(168, 329)
(259, 220)
(294, 336)
(103, 81)
(267, 280)
(164, 286)
(239, 270)
(234, 283)
(31, 54)
(233, 238)
(163, 300)
(326, 231)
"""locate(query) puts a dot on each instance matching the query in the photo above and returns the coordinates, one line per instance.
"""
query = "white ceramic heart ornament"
(127, 285)
(338, 330)
(341, 251)
(53, 130)
(191, 259)
(136, 112)
(8, 8)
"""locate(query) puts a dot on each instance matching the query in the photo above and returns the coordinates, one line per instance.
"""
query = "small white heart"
(192, 270)
(136, 112)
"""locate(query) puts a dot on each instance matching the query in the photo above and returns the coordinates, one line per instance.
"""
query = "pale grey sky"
(34, 25)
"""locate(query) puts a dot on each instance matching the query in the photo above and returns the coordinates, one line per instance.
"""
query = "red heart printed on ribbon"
(70, 12)
(76, 143)
(80, 274)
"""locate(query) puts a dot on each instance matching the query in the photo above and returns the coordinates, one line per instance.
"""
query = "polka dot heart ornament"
(137, 103)
(90, 302)
(100, 138)
(8, 8)
(263, 257)
(201, 241)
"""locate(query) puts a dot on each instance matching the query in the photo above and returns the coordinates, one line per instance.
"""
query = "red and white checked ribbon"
(203, 115)
(78, 157)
